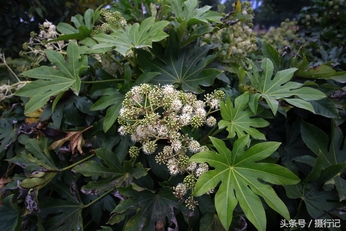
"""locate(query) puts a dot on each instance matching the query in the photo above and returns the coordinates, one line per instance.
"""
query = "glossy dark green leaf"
(318, 72)
(9, 215)
(270, 53)
(7, 134)
(113, 172)
(187, 69)
(148, 207)
(210, 222)
(64, 213)
(331, 152)
(113, 100)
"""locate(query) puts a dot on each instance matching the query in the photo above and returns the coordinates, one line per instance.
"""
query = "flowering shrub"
(151, 116)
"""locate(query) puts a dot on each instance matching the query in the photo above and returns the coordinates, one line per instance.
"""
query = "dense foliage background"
(172, 115)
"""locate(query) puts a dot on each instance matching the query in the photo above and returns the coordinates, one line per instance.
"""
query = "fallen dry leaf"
(76, 141)
(4, 181)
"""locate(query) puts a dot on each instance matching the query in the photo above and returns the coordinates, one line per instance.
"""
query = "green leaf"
(317, 202)
(188, 11)
(133, 36)
(270, 53)
(50, 81)
(210, 222)
(113, 100)
(8, 134)
(238, 119)
(9, 214)
(186, 68)
(318, 72)
(36, 157)
(326, 108)
(280, 87)
(149, 207)
(63, 214)
(243, 180)
(331, 152)
(111, 170)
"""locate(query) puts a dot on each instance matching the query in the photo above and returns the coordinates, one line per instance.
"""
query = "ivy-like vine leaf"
(112, 171)
(52, 82)
(332, 152)
(133, 36)
(150, 208)
(238, 119)
(65, 213)
(185, 68)
(279, 87)
(243, 180)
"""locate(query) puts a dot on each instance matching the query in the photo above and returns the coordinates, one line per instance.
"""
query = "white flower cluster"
(7, 91)
(152, 113)
(34, 49)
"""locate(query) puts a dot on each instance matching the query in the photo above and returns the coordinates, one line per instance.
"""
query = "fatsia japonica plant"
(151, 115)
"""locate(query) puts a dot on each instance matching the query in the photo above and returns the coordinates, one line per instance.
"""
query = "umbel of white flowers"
(151, 113)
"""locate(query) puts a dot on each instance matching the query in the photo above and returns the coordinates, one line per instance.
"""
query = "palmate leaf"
(243, 180)
(238, 118)
(150, 208)
(50, 81)
(186, 68)
(319, 203)
(64, 213)
(133, 36)
(332, 153)
(188, 12)
(8, 135)
(112, 100)
(112, 171)
(38, 158)
(279, 87)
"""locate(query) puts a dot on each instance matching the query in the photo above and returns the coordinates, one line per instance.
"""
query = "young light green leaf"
(242, 180)
(133, 36)
(50, 82)
(238, 119)
(280, 87)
